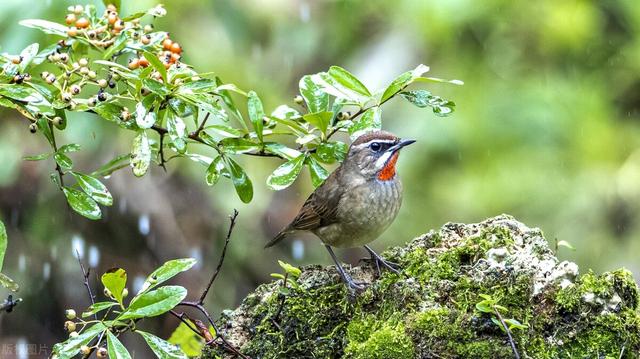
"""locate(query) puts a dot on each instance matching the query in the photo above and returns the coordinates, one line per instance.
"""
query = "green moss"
(372, 339)
(429, 310)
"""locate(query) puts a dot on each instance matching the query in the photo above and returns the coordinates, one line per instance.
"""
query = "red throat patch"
(389, 171)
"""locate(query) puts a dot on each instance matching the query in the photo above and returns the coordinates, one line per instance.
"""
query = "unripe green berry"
(83, 62)
(102, 83)
(298, 99)
(85, 350)
(92, 74)
(73, 334)
(69, 313)
(69, 326)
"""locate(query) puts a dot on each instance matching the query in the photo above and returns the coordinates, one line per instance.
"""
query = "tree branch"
(232, 224)
(85, 275)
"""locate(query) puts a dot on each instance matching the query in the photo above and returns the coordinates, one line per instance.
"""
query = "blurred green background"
(546, 129)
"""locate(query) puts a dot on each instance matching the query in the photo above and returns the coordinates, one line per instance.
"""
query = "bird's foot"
(381, 262)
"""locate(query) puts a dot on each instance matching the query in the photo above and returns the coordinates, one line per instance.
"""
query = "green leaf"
(316, 99)
(82, 203)
(484, 306)
(140, 154)
(39, 157)
(119, 43)
(226, 131)
(439, 80)
(161, 348)
(115, 347)
(515, 324)
(202, 86)
(318, 173)
(155, 86)
(423, 98)
(285, 174)
(281, 150)
(144, 118)
(115, 280)
(256, 113)
(320, 120)
(403, 81)
(330, 152)
(370, 120)
(71, 346)
(228, 101)
(347, 79)
(333, 87)
(22, 93)
(3, 243)
(71, 147)
(47, 27)
(284, 112)
(94, 188)
(8, 283)
(112, 112)
(190, 342)
(177, 131)
(157, 64)
(293, 271)
(167, 271)
(115, 164)
(240, 180)
(154, 303)
(238, 145)
(97, 307)
(62, 160)
(27, 56)
(566, 245)
(214, 170)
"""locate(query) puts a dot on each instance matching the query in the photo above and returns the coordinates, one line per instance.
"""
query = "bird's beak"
(399, 145)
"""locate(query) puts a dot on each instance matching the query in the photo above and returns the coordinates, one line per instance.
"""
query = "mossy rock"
(431, 310)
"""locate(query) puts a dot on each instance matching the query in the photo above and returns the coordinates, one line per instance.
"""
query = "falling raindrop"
(94, 256)
(196, 253)
(144, 224)
(138, 282)
(46, 271)
(305, 12)
(77, 246)
(22, 263)
(297, 249)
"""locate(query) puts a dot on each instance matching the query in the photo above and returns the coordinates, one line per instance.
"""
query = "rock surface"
(456, 285)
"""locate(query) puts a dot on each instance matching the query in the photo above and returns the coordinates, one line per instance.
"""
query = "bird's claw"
(390, 266)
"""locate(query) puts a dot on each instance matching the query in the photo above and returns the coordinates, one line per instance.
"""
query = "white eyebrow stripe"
(366, 144)
(380, 162)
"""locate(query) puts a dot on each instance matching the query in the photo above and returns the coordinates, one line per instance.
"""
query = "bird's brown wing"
(315, 212)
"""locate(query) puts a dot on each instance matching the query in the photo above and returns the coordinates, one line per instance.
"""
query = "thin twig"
(506, 328)
(85, 275)
(283, 297)
(161, 151)
(55, 149)
(201, 127)
(232, 224)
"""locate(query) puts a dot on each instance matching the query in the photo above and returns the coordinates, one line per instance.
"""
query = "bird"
(357, 202)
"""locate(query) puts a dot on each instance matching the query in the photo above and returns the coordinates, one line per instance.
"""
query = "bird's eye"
(375, 146)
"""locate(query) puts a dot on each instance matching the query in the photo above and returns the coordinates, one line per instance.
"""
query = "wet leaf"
(115, 280)
(71, 147)
(115, 348)
(190, 342)
(240, 180)
(225, 131)
(213, 171)
(3, 243)
(8, 283)
(155, 86)
(94, 188)
(256, 113)
(285, 174)
(161, 348)
(97, 307)
(47, 27)
(333, 87)
(144, 119)
(157, 64)
(167, 271)
(423, 98)
(82, 203)
(318, 173)
(115, 164)
(316, 99)
(140, 154)
(177, 131)
(288, 268)
(348, 80)
(239, 145)
(154, 303)
(22, 93)
(71, 346)
(403, 81)
(370, 120)
(281, 150)
(330, 152)
(320, 120)
(39, 157)
(27, 55)
(566, 245)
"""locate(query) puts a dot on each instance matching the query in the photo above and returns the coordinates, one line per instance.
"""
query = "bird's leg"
(393, 267)
(343, 274)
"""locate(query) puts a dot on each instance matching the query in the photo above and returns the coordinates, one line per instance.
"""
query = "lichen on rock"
(432, 309)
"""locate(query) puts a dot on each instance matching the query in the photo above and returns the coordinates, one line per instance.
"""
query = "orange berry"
(119, 25)
(72, 31)
(70, 19)
(111, 7)
(174, 57)
(166, 44)
(16, 60)
(143, 62)
(176, 49)
(134, 63)
(82, 22)
(112, 18)
(146, 39)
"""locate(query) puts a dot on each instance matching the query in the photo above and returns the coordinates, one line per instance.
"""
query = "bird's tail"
(280, 236)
